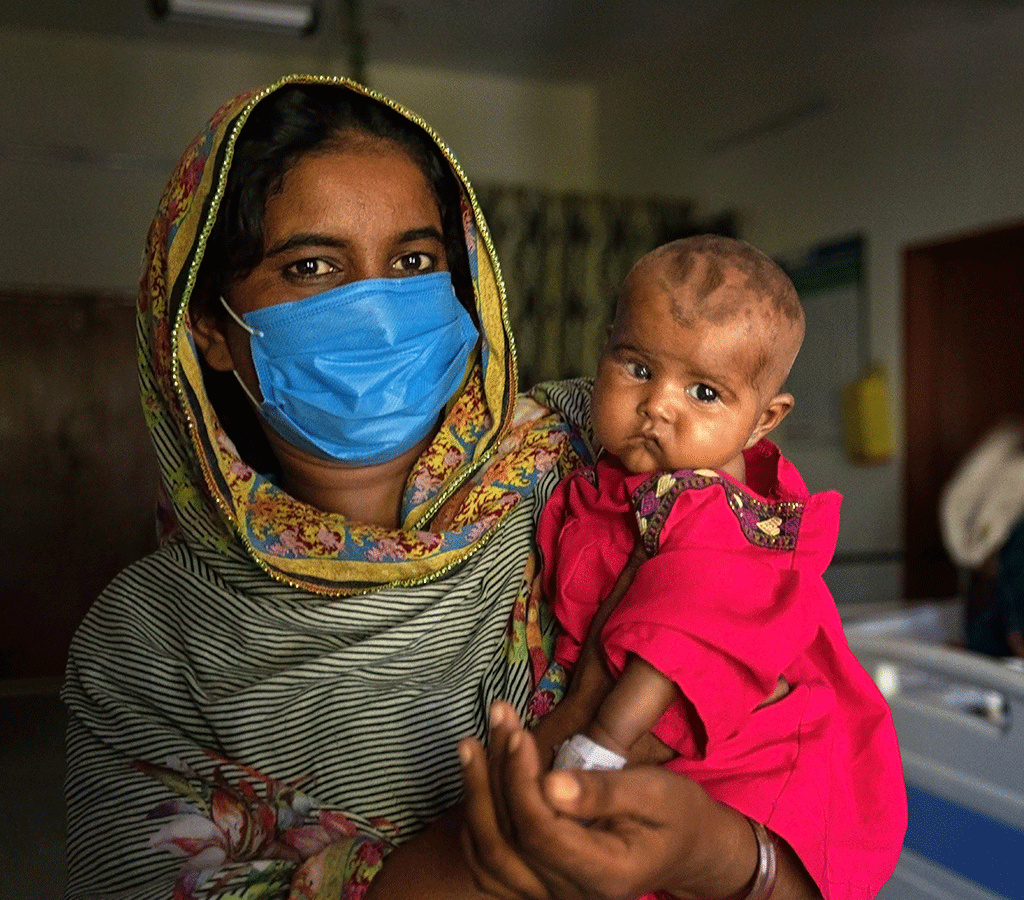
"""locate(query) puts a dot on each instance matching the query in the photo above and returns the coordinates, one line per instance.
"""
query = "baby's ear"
(776, 410)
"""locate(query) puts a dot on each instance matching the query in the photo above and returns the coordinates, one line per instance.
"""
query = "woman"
(269, 705)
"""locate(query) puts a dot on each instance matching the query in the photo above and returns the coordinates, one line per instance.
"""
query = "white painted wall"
(91, 127)
(522, 131)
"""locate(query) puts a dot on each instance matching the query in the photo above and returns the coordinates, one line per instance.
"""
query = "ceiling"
(547, 38)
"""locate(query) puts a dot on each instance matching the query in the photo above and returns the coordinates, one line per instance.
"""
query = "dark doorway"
(80, 471)
(964, 363)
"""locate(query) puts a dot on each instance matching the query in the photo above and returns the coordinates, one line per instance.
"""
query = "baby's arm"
(629, 712)
(624, 720)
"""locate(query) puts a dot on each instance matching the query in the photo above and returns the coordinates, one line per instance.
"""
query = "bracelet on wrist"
(763, 882)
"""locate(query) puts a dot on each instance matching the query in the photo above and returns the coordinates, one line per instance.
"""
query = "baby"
(727, 646)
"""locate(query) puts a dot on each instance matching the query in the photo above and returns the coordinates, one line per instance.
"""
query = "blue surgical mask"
(360, 373)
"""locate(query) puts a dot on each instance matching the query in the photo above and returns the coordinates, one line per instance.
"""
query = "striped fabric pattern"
(183, 655)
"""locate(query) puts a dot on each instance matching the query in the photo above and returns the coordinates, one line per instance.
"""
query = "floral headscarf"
(217, 499)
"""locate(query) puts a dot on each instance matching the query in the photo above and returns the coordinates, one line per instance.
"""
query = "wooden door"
(964, 366)
(80, 473)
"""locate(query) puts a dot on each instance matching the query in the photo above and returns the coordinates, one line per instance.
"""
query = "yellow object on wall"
(867, 430)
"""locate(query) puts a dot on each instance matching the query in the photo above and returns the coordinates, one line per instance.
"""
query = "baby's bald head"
(715, 279)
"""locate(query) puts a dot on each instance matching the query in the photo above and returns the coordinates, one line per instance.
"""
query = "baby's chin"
(641, 459)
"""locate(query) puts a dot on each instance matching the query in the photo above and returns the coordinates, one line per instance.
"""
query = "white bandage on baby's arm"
(580, 752)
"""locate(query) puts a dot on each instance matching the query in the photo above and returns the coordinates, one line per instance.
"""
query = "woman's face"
(364, 211)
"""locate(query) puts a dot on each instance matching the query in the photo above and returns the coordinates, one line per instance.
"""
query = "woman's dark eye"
(702, 393)
(414, 262)
(310, 268)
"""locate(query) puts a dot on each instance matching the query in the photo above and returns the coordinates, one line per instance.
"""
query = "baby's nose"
(660, 404)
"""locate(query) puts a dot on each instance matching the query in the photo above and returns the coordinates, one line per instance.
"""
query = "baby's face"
(673, 396)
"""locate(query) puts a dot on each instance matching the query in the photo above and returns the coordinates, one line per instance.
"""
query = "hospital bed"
(960, 722)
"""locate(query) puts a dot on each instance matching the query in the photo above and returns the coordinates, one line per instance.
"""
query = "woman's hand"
(528, 834)
(524, 834)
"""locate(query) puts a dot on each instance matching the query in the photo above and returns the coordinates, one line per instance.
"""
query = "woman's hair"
(294, 121)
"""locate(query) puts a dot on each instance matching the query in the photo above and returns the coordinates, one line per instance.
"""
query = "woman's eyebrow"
(310, 239)
(314, 239)
(418, 234)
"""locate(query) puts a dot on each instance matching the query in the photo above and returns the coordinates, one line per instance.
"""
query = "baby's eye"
(702, 393)
(415, 262)
(309, 268)
(638, 370)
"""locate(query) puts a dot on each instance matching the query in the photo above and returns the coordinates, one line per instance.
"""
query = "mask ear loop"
(254, 333)
(239, 319)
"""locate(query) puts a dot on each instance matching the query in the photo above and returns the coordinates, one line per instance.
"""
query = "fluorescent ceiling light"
(299, 15)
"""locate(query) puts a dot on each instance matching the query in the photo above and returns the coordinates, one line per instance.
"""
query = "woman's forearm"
(429, 866)
(793, 882)
(731, 858)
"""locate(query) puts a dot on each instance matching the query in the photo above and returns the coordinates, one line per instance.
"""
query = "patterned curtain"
(563, 257)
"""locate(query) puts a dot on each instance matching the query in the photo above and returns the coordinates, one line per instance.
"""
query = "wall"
(92, 127)
(908, 137)
(905, 138)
